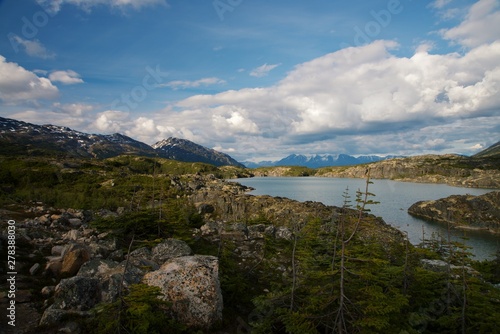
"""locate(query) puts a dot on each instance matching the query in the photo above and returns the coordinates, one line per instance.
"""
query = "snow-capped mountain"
(317, 160)
(17, 137)
(185, 150)
(26, 138)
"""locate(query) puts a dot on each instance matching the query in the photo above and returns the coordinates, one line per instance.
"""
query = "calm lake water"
(395, 198)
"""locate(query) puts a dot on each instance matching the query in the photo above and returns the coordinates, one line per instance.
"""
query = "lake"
(395, 198)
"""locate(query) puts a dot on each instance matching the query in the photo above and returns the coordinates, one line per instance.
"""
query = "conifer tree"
(362, 199)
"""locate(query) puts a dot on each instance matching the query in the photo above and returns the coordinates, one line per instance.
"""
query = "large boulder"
(110, 275)
(191, 284)
(169, 249)
(57, 317)
(142, 259)
(73, 259)
(77, 293)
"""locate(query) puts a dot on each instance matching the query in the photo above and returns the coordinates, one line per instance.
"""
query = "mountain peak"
(171, 141)
(17, 137)
(173, 148)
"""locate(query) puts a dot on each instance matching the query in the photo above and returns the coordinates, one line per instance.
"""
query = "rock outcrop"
(449, 169)
(463, 211)
(191, 283)
(82, 268)
(228, 201)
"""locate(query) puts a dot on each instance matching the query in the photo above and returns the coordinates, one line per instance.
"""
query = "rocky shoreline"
(462, 211)
(453, 170)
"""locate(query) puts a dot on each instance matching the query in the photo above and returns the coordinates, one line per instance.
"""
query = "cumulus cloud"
(111, 121)
(234, 121)
(73, 109)
(481, 25)
(68, 77)
(33, 48)
(358, 100)
(331, 103)
(20, 85)
(263, 70)
(193, 84)
(54, 6)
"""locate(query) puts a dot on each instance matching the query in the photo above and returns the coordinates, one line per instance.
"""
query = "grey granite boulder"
(168, 249)
(191, 284)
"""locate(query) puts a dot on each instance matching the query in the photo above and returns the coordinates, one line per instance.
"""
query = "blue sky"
(257, 79)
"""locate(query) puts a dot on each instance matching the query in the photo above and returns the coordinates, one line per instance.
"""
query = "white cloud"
(333, 102)
(68, 77)
(52, 117)
(73, 109)
(193, 84)
(263, 70)
(438, 4)
(233, 121)
(359, 100)
(111, 121)
(20, 85)
(54, 6)
(481, 25)
(33, 48)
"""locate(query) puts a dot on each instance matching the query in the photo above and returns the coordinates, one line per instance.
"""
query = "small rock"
(72, 235)
(283, 233)
(45, 220)
(55, 217)
(75, 222)
(102, 235)
(88, 232)
(71, 328)
(53, 267)
(47, 291)
(34, 269)
(58, 250)
(117, 255)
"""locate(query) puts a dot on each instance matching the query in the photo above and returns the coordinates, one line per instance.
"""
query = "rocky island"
(462, 211)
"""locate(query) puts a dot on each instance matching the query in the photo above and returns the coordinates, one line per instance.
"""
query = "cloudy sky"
(258, 79)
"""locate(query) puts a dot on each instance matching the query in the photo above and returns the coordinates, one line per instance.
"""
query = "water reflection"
(394, 197)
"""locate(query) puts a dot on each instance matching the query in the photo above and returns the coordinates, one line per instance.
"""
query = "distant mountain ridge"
(318, 161)
(17, 137)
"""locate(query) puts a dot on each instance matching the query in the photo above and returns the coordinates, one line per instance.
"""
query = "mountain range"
(21, 138)
(17, 137)
(317, 161)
